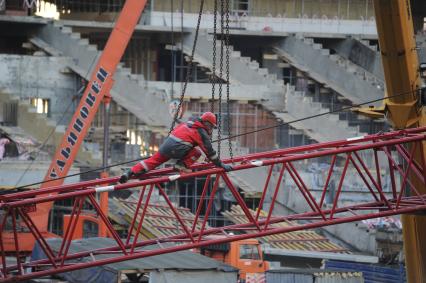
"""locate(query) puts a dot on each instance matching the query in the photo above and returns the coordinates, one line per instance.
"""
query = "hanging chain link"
(213, 76)
(29, 4)
(188, 70)
(231, 154)
(219, 120)
(173, 52)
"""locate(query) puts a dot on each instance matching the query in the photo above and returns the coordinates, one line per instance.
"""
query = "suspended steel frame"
(396, 148)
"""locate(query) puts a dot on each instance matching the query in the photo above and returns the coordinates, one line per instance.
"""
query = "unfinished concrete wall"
(189, 6)
(360, 54)
(141, 54)
(23, 77)
(38, 126)
(40, 77)
(11, 173)
(344, 9)
(45, 130)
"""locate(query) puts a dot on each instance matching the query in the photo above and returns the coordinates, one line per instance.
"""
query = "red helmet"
(209, 117)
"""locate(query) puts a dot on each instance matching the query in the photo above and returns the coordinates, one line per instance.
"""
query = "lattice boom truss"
(407, 178)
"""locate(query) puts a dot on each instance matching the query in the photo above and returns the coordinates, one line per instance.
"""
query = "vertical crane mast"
(401, 69)
(99, 85)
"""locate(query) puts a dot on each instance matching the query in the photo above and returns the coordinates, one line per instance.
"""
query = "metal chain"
(28, 3)
(213, 76)
(188, 70)
(231, 154)
(219, 120)
(173, 53)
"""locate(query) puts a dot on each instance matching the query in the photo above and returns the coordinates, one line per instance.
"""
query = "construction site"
(214, 141)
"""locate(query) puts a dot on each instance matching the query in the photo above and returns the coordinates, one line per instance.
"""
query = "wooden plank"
(297, 240)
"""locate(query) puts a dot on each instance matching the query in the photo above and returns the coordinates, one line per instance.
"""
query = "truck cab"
(246, 255)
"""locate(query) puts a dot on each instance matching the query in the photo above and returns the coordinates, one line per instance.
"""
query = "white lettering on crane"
(80, 122)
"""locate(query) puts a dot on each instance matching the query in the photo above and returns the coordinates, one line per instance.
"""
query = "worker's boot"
(128, 174)
(140, 173)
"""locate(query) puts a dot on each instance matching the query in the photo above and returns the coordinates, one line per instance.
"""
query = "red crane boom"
(97, 88)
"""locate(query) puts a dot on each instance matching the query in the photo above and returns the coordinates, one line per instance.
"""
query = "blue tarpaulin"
(372, 273)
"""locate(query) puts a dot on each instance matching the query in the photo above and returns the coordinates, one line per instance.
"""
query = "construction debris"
(159, 220)
(303, 240)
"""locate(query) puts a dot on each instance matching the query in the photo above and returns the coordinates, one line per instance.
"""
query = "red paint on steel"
(265, 189)
(135, 216)
(391, 136)
(107, 223)
(377, 183)
(76, 206)
(3, 256)
(404, 153)
(209, 206)
(216, 241)
(305, 191)
(15, 237)
(363, 178)
(189, 237)
(175, 212)
(201, 202)
(339, 189)
(145, 208)
(40, 239)
(239, 199)
(330, 172)
(71, 232)
(268, 218)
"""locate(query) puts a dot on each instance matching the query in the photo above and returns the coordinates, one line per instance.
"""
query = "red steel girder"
(393, 147)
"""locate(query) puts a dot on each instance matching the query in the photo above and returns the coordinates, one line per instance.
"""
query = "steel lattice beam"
(394, 147)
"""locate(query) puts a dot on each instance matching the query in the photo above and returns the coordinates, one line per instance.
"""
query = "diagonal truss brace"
(393, 147)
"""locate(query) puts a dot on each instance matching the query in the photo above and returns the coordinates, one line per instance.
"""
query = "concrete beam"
(320, 255)
(326, 71)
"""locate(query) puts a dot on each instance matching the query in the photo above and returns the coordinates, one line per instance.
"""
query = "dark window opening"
(90, 229)
(241, 5)
(249, 252)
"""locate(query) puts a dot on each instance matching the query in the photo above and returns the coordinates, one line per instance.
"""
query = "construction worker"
(181, 145)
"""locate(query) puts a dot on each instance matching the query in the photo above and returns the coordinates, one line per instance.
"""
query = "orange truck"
(246, 255)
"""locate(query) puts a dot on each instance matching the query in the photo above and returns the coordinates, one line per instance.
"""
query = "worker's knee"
(191, 157)
(195, 154)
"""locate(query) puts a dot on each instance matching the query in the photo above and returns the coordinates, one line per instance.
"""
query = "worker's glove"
(227, 167)
(126, 176)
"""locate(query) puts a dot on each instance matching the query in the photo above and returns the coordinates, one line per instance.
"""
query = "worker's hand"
(125, 177)
(227, 167)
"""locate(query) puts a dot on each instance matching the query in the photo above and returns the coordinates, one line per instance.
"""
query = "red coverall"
(181, 145)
